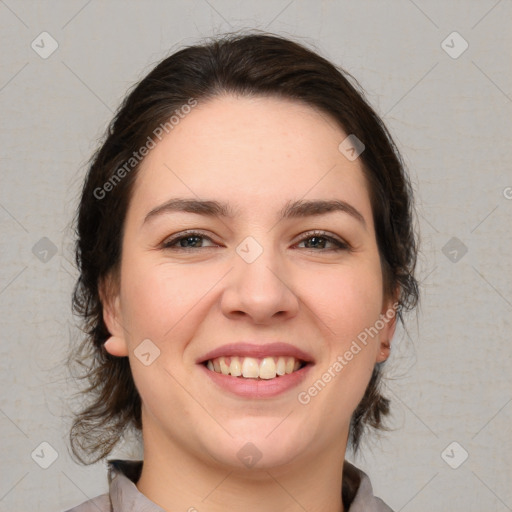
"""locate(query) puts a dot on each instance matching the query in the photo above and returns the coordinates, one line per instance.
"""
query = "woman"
(245, 245)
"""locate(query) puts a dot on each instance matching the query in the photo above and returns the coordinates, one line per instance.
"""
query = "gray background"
(451, 117)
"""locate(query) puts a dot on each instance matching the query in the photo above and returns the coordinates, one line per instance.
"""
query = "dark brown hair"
(259, 64)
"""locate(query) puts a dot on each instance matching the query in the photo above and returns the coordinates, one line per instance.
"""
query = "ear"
(109, 295)
(388, 317)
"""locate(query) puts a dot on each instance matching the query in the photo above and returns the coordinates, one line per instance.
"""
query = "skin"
(256, 154)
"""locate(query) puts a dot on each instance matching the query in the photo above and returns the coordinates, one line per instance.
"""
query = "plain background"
(451, 118)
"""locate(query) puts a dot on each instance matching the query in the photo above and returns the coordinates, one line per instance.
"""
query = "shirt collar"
(357, 492)
(124, 495)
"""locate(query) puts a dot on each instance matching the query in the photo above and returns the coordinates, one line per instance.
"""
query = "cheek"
(347, 299)
(156, 297)
(349, 303)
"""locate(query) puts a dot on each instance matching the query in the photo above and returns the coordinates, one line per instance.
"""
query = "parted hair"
(253, 63)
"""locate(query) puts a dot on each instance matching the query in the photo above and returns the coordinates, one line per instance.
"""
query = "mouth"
(262, 368)
(273, 362)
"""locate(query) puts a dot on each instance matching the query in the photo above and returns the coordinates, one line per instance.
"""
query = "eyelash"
(340, 245)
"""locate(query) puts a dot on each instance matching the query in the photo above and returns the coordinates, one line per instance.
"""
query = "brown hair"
(242, 64)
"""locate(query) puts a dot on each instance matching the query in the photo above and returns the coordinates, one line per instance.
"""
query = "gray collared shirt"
(123, 495)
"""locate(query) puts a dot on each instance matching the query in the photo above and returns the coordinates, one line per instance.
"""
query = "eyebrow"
(291, 210)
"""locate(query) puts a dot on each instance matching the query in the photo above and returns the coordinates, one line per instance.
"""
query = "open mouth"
(264, 368)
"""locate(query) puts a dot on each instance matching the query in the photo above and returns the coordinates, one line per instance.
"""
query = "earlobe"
(385, 350)
(116, 347)
(116, 344)
(387, 333)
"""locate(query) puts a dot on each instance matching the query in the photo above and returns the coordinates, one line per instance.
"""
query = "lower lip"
(258, 388)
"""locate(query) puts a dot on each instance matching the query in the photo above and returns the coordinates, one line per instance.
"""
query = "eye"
(320, 238)
(194, 240)
(186, 240)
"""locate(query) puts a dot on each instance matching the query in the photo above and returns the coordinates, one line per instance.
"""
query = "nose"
(260, 290)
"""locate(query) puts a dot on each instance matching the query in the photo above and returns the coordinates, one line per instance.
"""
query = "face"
(269, 274)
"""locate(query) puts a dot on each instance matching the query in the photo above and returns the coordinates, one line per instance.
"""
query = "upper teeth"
(252, 368)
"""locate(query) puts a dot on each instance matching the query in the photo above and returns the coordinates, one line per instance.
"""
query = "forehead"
(251, 152)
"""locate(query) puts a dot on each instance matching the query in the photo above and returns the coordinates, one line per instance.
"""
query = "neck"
(175, 479)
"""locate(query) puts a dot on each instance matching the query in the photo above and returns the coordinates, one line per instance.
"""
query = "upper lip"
(257, 351)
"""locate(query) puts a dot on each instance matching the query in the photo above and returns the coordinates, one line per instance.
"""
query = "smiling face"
(255, 264)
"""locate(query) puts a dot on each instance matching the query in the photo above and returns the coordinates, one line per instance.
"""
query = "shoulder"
(357, 491)
(122, 475)
(99, 504)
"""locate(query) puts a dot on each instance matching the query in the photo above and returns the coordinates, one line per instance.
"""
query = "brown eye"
(190, 240)
(319, 239)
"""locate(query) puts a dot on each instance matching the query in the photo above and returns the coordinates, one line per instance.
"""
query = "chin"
(261, 445)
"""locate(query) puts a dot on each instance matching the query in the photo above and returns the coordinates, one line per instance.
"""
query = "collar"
(357, 492)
